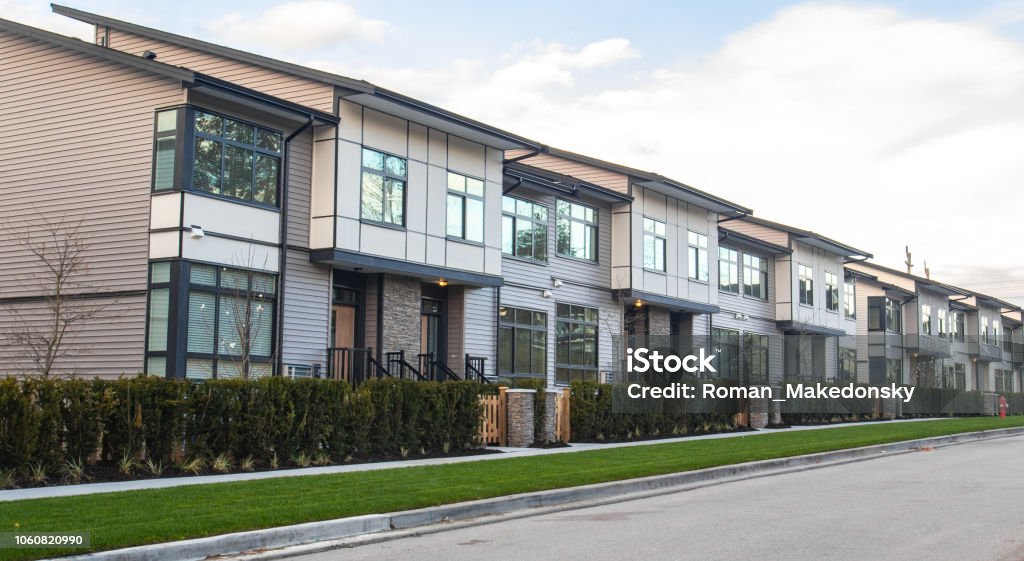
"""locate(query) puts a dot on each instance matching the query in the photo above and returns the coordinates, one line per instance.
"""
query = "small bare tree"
(40, 340)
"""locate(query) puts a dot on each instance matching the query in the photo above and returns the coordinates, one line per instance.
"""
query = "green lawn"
(139, 517)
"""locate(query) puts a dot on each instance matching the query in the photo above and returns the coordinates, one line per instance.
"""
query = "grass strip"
(129, 518)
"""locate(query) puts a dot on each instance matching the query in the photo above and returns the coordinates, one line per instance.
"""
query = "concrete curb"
(321, 536)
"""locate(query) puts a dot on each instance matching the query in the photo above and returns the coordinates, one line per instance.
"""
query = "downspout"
(283, 257)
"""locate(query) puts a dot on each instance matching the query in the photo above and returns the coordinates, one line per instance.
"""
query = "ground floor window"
(805, 356)
(1004, 381)
(576, 331)
(222, 317)
(755, 358)
(847, 366)
(960, 376)
(522, 342)
(725, 344)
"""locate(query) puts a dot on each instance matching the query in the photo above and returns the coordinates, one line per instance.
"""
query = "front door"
(345, 358)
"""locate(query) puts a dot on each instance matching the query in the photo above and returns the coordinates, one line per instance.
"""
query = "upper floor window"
(465, 207)
(654, 244)
(728, 270)
(806, 285)
(850, 300)
(165, 148)
(577, 230)
(524, 229)
(956, 324)
(1007, 339)
(697, 254)
(997, 333)
(755, 276)
(940, 323)
(235, 159)
(893, 316)
(383, 188)
(884, 314)
(926, 320)
(831, 292)
(984, 330)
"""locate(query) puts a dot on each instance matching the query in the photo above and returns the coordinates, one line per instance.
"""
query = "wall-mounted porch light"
(442, 283)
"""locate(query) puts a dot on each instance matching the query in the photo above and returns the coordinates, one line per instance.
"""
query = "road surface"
(957, 503)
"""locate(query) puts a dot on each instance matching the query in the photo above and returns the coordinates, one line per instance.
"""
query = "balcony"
(926, 345)
(985, 352)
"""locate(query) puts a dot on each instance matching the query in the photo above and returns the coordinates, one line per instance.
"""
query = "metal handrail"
(475, 366)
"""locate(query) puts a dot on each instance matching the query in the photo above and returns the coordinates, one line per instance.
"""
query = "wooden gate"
(493, 424)
(563, 430)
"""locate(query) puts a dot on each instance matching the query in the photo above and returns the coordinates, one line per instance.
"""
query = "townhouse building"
(807, 309)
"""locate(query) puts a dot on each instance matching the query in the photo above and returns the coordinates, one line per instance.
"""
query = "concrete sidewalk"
(166, 482)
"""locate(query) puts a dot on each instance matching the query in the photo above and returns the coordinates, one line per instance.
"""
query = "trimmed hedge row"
(601, 412)
(54, 421)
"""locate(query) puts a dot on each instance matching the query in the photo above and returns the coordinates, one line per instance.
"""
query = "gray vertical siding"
(481, 315)
(456, 328)
(307, 286)
(77, 141)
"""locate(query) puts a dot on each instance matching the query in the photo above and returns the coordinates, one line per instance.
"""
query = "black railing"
(398, 366)
(353, 365)
(475, 368)
(436, 370)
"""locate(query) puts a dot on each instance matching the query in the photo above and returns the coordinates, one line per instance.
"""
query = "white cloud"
(38, 14)
(859, 122)
(302, 24)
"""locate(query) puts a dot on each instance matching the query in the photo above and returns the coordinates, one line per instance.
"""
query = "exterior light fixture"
(442, 283)
(546, 294)
(639, 303)
(557, 283)
(197, 232)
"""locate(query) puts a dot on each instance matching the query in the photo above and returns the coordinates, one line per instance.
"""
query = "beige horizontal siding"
(310, 93)
(759, 232)
(591, 174)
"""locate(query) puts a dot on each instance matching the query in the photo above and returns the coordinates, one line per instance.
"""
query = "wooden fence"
(494, 424)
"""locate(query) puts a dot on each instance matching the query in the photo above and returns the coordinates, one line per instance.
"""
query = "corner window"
(806, 285)
(654, 244)
(235, 159)
(577, 230)
(575, 343)
(728, 270)
(831, 292)
(465, 207)
(755, 276)
(850, 300)
(165, 149)
(697, 256)
(524, 229)
(522, 342)
(383, 188)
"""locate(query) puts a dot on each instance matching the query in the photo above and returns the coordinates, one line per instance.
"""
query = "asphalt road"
(958, 503)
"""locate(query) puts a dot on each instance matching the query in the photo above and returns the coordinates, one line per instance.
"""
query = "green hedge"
(600, 412)
(56, 421)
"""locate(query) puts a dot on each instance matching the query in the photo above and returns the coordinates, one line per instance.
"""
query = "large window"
(884, 314)
(1004, 381)
(725, 344)
(577, 230)
(850, 300)
(755, 276)
(522, 343)
(524, 229)
(806, 285)
(230, 322)
(755, 358)
(697, 254)
(728, 270)
(984, 331)
(465, 207)
(926, 319)
(957, 326)
(383, 188)
(235, 159)
(831, 292)
(940, 322)
(654, 244)
(575, 343)
(847, 365)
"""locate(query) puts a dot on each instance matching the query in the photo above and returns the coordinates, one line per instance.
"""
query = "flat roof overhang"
(674, 304)
(810, 328)
(365, 263)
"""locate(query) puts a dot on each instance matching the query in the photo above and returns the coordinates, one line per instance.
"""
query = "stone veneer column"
(775, 407)
(520, 417)
(550, 398)
(758, 410)
(659, 323)
(401, 315)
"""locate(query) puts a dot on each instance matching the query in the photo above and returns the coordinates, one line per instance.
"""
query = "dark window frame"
(697, 255)
(576, 371)
(655, 237)
(516, 218)
(385, 176)
(509, 321)
(806, 286)
(192, 134)
(570, 220)
(749, 271)
(731, 259)
(831, 292)
(464, 195)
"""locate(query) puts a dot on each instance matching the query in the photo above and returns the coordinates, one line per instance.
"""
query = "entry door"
(344, 326)
(431, 339)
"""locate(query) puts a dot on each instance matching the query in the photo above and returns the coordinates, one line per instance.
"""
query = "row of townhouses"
(246, 216)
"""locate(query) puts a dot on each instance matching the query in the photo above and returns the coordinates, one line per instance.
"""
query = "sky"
(879, 124)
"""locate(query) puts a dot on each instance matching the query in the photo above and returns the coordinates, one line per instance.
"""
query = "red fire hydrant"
(1002, 407)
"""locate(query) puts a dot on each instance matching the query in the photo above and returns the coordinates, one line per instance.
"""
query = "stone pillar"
(550, 398)
(520, 417)
(890, 409)
(775, 407)
(401, 316)
(990, 404)
(758, 410)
